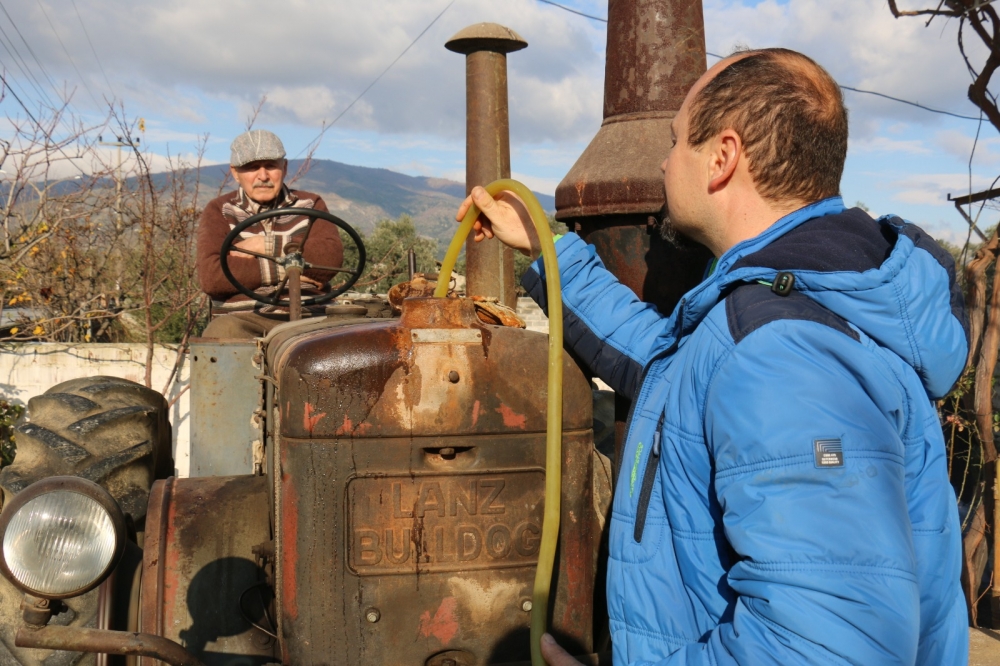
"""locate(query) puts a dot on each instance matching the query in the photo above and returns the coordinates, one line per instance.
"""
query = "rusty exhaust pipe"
(489, 265)
(80, 639)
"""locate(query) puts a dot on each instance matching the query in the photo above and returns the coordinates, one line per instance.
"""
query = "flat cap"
(254, 146)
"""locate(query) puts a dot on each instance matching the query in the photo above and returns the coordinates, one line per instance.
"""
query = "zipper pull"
(656, 442)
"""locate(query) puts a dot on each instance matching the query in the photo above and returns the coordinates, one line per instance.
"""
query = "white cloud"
(933, 189)
(883, 144)
(862, 46)
(312, 59)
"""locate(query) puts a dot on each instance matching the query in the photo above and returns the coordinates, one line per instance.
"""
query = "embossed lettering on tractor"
(407, 524)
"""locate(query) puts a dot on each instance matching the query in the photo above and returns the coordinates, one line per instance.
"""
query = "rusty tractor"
(363, 490)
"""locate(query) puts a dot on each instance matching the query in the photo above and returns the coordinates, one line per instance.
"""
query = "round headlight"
(61, 537)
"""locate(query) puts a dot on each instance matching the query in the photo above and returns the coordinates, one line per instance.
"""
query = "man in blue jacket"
(783, 495)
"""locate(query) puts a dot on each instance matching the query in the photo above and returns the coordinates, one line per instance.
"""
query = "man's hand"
(254, 244)
(505, 218)
(555, 655)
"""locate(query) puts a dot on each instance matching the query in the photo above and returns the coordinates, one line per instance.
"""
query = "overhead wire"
(72, 62)
(850, 88)
(93, 50)
(31, 51)
(327, 126)
(19, 62)
(41, 128)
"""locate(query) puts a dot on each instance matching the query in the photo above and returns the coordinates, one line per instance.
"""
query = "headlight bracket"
(36, 611)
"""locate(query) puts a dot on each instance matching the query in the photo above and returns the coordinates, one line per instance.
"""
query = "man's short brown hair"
(790, 114)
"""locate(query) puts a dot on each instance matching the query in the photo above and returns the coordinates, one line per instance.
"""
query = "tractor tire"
(111, 431)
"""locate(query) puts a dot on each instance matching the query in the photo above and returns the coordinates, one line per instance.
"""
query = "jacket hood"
(886, 277)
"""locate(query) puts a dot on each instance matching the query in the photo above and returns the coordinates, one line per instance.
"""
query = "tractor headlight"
(61, 537)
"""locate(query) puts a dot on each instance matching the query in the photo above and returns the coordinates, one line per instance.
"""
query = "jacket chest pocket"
(639, 518)
(649, 475)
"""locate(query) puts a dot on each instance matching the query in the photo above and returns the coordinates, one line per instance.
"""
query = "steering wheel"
(292, 261)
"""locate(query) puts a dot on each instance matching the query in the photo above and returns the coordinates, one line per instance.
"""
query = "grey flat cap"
(254, 146)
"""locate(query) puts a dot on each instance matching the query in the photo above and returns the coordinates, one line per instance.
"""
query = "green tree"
(386, 247)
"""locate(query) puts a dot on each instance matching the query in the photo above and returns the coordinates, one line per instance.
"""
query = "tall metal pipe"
(613, 196)
(489, 264)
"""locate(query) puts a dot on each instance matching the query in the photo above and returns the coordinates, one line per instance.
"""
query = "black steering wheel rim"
(313, 215)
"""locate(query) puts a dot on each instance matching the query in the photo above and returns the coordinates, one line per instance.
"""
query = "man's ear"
(724, 156)
(232, 172)
(284, 169)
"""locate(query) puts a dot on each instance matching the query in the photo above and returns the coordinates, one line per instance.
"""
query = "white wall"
(29, 369)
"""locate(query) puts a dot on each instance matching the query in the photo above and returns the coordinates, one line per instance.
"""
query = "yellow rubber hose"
(553, 438)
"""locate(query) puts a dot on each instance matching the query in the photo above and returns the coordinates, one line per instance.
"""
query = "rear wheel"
(111, 431)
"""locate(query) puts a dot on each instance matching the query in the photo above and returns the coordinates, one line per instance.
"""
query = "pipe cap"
(485, 37)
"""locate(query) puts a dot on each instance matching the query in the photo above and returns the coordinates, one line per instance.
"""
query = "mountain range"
(362, 196)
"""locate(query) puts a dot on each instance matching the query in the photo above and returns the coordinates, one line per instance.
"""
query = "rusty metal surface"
(197, 562)
(378, 380)
(655, 53)
(80, 639)
(658, 272)
(410, 486)
(489, 264)
(224, 395)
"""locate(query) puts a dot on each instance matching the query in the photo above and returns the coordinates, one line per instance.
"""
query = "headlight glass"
(59, 542)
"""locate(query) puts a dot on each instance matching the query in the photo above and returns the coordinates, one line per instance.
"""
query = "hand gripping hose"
(553, 438)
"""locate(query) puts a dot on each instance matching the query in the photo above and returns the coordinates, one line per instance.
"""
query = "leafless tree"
(93, 249)
(970, 407)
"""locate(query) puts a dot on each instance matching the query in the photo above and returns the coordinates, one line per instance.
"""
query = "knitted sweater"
(222, 214)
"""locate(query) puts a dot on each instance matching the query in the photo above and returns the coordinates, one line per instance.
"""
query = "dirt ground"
(984, 647)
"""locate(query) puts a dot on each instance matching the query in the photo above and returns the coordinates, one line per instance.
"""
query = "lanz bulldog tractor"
(391, 512)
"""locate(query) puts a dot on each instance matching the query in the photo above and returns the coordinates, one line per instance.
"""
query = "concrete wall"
(532, 315)
(29, 369)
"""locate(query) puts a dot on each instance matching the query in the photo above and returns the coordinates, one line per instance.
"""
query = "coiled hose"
(553, 437)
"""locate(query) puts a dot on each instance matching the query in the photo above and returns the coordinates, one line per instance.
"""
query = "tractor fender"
(203, 585)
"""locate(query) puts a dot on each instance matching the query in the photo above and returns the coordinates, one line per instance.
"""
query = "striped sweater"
(222, 214)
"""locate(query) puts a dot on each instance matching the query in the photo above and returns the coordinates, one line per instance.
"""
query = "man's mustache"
(263, 183)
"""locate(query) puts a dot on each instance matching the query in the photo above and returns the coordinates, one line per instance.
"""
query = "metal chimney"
(613, 196)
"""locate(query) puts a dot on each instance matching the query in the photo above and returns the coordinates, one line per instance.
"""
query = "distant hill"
(362, 195)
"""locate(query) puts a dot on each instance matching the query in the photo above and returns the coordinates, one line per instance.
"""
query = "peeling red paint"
(309, 420)
(289, 543)
(512, 419)
(443, 626)
(475, 413)
(348, 428)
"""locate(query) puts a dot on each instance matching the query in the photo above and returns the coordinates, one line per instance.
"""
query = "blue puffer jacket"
(783, 495)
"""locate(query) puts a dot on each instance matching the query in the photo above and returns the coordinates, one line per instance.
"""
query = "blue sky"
(191, 69)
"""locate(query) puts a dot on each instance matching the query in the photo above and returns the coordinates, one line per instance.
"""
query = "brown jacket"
(221, 215)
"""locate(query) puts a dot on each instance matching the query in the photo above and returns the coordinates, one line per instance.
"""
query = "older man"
(259, 167)
(783, 495)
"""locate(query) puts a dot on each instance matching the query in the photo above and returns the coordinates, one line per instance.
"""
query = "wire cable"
(370, 85)
(41, 128)
(8, 46)
(857, 90)
(574, 11)
(93, 50)
(27, 44)
(66, 51)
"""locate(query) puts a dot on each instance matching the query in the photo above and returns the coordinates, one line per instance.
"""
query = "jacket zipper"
(642, 383)
(648, 477)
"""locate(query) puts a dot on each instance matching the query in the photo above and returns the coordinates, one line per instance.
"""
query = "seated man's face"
(261, 180)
